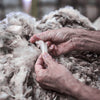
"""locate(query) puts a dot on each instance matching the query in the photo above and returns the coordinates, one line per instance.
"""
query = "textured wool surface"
(97, 23)
(18, 56)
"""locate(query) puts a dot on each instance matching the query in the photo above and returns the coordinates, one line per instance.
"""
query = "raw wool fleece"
(18, 56)
(64, 17)
(97, 23)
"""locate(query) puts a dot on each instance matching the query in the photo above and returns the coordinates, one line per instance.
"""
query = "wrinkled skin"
(54, 71)
(56, 39)
(54, 76)
(64, 40)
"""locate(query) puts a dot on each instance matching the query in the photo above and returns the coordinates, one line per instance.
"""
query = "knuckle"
(49, 61)
(75, 42)
(78, 43)
(38, 79)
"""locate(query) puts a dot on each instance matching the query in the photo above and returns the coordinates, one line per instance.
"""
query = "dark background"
(38, 8)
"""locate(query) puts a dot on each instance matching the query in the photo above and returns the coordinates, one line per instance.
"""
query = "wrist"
(76, 88)
(73, 87)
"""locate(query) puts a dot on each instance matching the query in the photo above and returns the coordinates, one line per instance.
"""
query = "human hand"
(61, 41)
(64, 40)
(55, 76)
(58, 41)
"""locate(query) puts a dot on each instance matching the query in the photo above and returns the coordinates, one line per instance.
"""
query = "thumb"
(47, 59)
(45, 36)
(61, 48)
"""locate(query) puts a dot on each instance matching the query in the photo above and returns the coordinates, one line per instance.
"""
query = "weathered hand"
(64, 40)
(55, 76)
(59, 41)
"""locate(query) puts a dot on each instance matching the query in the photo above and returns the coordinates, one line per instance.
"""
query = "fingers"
(47, 59)
(38, 65)
(62, 48)
(34, 38)
(44, 58)
(39, 70)
(45, 36)
(48, 43)
(52, 47)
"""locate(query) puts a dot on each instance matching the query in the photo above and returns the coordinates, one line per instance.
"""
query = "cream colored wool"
(97, 23)
(18, 56)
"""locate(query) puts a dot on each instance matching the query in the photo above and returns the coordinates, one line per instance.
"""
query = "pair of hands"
(55, 76)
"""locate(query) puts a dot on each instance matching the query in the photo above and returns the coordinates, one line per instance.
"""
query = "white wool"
(77, 76)
(22, 20)
(43, 46)
(97, 23)
(1, 43)
(15, 65)
(2, 77)
(64, 17)
(18, 18)
(3, 96)
(18, 81)
(14, 29)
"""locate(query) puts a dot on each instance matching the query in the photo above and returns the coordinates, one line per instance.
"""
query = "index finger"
(45, 36)
(38, 65)
(34, 38)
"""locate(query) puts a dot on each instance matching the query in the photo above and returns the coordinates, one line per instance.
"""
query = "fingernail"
(31, 40)
(51, 48)
(45, 55)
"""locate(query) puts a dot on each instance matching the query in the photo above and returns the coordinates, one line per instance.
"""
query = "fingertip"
(48, 43)
(31, 39)
(53, 50)
(52, 47)
(34, 38)
(45, 55)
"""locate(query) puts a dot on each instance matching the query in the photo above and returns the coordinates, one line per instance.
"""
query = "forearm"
(83, 92)
(87, 40)
(88, 93)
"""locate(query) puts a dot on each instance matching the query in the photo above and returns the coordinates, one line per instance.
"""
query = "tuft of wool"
(64, 17)
(97, 23)
(42, 45)
(18, 56)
